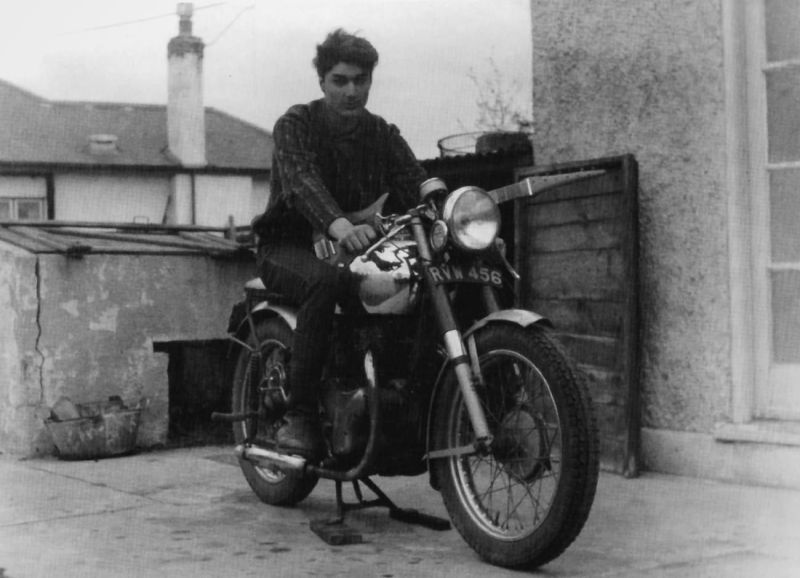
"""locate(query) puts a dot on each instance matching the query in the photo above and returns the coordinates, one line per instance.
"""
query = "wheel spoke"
(512, 490)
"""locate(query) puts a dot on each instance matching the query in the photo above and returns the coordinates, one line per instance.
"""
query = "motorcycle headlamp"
(472, 217)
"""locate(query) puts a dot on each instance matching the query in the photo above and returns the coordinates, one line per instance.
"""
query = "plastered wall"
(85, 328)
(20, 362)
(646, 78)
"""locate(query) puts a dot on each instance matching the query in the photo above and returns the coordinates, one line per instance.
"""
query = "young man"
(332, 157)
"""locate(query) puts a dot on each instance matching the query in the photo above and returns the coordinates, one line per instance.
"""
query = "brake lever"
(399, 224)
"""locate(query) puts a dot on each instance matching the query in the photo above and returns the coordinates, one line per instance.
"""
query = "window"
(773, 62)
(23, 198)
(13, 209)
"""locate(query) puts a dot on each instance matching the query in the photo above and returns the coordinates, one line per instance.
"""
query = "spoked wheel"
(260, 386)
(524, 502)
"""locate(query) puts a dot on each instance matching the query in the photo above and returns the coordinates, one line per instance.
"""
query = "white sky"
(259, 64)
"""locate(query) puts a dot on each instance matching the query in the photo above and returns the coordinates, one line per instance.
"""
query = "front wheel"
(524, 502)
(259, 386)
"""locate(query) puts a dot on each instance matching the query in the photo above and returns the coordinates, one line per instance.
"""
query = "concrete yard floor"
(190, 513)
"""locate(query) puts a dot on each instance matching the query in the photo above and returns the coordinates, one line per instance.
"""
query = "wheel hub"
(521, 445)
(273, 387)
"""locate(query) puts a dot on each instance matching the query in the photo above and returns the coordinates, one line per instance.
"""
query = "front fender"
(521, 317)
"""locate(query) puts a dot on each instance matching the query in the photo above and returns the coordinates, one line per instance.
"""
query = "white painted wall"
(218, 197)
(117, 198)
(143, 198)
(23, 186)
(259, 198)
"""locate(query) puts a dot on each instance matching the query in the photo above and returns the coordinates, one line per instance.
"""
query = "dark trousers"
(315, 287)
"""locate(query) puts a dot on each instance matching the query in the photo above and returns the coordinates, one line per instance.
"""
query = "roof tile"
(36, 130)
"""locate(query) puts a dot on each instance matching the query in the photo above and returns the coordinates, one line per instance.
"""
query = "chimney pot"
(185, 11)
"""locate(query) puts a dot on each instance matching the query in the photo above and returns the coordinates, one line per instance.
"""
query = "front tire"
(259, 383)
(521, 505)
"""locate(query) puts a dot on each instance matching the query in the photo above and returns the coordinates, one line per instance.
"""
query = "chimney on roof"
(186, 130)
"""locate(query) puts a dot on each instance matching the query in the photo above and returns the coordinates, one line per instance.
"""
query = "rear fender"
(520, 317)
(262, 310)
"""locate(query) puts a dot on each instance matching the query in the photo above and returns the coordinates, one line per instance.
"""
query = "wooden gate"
(577, 254)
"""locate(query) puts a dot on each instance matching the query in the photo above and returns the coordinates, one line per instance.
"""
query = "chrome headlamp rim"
(439, 235)
(472, 217)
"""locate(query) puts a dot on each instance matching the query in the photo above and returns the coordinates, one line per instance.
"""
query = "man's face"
(346, 88)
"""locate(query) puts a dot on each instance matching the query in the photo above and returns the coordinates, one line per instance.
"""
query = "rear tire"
(272, 340)
(523, 504)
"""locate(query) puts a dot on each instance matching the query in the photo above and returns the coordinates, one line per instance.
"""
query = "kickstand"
(336, 532)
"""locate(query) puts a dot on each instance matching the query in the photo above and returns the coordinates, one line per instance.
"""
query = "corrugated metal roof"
(79, 239)
(36, 130)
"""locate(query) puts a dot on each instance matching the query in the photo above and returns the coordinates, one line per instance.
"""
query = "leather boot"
(300, 435)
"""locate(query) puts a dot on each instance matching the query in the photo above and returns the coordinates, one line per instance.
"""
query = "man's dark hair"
(341, 46)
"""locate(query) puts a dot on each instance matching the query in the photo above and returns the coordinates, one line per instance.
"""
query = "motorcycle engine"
(347, 411)
(348, 417)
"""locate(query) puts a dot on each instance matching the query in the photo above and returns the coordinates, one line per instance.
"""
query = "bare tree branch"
(498, 101)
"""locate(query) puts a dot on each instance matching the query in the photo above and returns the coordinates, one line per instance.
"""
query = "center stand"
(335, 532)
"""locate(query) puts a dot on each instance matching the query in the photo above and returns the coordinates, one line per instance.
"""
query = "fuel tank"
(388, 282)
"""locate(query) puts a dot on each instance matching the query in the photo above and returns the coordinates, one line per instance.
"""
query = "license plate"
(457, 273)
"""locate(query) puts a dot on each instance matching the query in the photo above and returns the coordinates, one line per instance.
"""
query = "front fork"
(465, 364)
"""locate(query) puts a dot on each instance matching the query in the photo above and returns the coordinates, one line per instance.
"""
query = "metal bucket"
(104, 430)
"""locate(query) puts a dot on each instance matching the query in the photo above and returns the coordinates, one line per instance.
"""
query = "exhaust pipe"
(264, 457)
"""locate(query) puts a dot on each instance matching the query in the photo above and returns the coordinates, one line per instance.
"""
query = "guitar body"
(329, 250)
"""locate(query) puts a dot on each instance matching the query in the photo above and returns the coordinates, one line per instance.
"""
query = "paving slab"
(190, 513)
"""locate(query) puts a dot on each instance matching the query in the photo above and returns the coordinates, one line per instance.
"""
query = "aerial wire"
(231, 23)
(136, 21)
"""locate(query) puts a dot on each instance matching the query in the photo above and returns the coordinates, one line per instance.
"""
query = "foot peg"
(232, 417)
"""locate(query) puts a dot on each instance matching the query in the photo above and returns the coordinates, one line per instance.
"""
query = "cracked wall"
(20, 361)
(99, 317)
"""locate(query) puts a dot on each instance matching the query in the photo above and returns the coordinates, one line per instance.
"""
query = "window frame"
(748, 170)
(14, 207)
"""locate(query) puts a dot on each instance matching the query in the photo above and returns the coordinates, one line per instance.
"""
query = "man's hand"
(354, 238)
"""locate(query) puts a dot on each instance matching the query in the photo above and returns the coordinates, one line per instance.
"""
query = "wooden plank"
(595, 275)
(23, 242)
(581, 315)
(592, 350)
(613, 453)
(607, 184)
(606, 386)
(574, 210)
(45, 241)
(149, 239)
(610, 421)
(604, 234)
(141, 227)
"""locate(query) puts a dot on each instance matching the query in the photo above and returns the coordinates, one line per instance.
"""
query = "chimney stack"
(186, 130)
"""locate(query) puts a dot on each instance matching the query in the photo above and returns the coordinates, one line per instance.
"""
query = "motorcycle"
(431, 369)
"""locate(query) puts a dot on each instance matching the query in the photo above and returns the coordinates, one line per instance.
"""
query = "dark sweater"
(319, 174)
